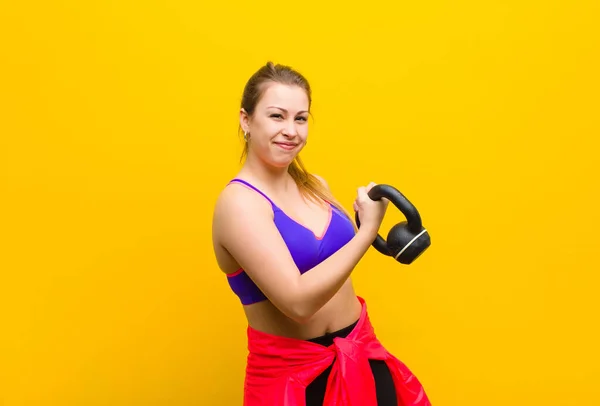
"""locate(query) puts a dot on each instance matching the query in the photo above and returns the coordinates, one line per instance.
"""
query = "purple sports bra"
(306, 248)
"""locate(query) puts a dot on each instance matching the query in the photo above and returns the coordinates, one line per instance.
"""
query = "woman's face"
(278, 129)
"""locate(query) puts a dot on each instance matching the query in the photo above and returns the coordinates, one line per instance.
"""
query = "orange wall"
(118, 129)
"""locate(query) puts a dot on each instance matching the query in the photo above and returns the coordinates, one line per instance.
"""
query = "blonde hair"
(308, 184)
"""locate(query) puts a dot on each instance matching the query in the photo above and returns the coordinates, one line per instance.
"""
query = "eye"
(302, 118)
(276, 115)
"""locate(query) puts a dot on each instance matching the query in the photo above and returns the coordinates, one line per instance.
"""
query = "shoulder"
(236, 202)
(238, 198)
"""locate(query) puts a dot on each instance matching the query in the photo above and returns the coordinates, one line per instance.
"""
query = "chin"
(280, 162)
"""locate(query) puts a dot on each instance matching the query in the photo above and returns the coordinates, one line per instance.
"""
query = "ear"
(244, 120)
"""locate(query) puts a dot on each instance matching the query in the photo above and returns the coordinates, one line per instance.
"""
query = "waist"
(328, 339)
(339, 313)
(278, 349)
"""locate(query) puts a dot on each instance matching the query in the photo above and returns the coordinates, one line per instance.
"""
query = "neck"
(275, 178)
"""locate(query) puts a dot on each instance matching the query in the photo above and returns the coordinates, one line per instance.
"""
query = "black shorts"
(384, 384)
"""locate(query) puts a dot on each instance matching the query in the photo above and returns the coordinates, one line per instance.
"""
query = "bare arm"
(244, 227)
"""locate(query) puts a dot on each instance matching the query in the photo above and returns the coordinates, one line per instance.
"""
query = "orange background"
(118, 128)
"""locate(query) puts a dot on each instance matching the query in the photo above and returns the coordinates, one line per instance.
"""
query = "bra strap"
(253, 188)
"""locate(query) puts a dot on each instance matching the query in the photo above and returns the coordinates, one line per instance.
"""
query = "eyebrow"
(281, 108)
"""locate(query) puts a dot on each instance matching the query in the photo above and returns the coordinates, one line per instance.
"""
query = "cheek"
(267, 129)
(303, 133)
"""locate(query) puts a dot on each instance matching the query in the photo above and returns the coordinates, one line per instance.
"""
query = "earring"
(245, 136)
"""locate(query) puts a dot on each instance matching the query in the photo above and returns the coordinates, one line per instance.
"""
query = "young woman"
(288, 249)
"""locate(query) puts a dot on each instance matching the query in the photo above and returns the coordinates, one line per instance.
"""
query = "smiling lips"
(286, 145)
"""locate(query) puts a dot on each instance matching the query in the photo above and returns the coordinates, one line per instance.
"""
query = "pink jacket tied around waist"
(280, 368)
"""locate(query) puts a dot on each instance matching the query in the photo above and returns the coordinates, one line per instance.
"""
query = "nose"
(290, 129)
